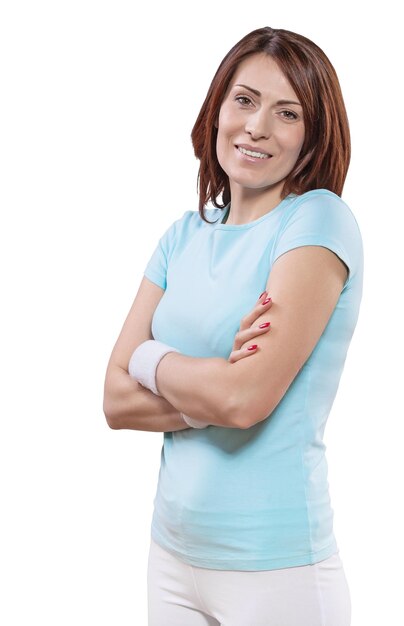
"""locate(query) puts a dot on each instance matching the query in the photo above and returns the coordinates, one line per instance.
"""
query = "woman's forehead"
(262, 74)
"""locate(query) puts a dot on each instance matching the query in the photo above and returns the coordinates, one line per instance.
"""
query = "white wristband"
(144, 361)
(192, 422)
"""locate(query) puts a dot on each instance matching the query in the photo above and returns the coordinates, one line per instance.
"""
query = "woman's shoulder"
(318, 196)
(321, 217)
(189, 223)
(323, 203)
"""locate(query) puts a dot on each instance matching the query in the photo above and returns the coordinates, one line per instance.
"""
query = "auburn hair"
(325, 155)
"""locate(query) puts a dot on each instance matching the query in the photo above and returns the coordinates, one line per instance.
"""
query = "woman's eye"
(238, 98)
(244, 100)
(290, 113)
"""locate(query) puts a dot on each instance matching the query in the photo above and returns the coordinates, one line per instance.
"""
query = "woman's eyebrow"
(258, 93)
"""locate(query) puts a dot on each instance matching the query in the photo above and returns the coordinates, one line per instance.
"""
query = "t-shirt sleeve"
(156, 267)
(322, 219)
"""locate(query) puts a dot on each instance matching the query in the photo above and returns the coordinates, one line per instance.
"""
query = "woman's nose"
(259, 124)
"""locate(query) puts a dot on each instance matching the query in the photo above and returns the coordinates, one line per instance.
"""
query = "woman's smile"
(252, 156)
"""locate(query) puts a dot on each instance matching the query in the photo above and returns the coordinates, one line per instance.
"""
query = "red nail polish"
(264, 325)
(252, 347)
(261, 295)
(267, 300)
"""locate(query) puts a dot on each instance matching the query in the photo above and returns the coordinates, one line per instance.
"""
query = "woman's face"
(261, 121)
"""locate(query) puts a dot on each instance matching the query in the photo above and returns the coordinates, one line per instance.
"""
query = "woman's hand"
(248, 331)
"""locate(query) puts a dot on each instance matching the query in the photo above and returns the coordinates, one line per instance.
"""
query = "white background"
(97, 106)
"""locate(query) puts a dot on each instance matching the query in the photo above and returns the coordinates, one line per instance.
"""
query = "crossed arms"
(304, 283)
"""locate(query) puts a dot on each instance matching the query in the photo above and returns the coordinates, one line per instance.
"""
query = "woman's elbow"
(111, 416)
(118, 397)
(246, 412)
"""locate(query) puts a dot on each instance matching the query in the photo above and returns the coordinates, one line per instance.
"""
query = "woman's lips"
(252, 159)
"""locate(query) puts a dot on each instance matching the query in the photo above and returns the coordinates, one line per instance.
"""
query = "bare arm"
(305, 284)
(126, 403)
(136, 408)
(197, 386)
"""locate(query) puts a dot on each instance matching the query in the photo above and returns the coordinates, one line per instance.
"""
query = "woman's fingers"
(249, 334)
(248, 331)
(236, 355)
(263, 304)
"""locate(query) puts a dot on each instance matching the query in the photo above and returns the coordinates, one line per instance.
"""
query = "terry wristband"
(144, 361)
(143, 366)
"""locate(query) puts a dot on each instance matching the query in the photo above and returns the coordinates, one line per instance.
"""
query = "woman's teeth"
(260, 155)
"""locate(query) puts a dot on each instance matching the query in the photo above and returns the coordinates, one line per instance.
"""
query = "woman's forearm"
(198, 387)
(128, 405)
(205, 389)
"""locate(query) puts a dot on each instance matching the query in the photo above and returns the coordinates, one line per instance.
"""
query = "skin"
(258, 121)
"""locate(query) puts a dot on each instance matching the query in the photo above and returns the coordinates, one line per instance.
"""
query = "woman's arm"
(126, 403)
(133, 407)
(305, 284)
(197, 386)
(129, 405)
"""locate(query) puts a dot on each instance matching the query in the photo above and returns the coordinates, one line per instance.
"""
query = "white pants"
(184, 595)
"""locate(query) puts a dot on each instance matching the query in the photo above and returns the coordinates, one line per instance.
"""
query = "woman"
(242, 531)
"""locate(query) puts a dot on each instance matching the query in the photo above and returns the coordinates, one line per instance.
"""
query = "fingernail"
(261, 295)
(267, 300)
(252, 347)
(264, 325)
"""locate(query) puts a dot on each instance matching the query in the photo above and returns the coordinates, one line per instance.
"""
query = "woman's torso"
(252, 499)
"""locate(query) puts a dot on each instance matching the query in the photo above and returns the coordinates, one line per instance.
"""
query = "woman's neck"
(249, 205)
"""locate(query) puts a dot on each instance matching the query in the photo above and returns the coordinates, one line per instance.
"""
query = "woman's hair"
(324, 158)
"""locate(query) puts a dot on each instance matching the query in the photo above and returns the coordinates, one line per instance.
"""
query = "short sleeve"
(156, 267)
(321, 218)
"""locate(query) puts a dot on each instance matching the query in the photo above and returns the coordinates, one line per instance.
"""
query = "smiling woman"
(291, 79)
(257, 169)
(242, 529)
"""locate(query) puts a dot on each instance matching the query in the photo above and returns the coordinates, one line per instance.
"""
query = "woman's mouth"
(253, 155)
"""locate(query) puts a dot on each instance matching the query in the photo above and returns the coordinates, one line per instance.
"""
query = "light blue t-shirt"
(256, 498)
